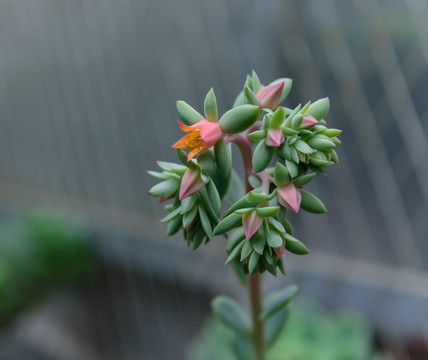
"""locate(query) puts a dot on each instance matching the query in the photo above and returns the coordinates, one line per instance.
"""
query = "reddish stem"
(244, 145)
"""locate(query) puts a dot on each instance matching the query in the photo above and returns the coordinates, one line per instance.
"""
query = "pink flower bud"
(190, 183)
(270, 95)
(308, 122)
(251, 222)
(200, 137)
(289, 196)
(275, 137)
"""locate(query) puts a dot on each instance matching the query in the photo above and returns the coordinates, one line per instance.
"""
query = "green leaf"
(214, 197)
(207, 162)
(223, 157)
(235, 252)
(281, 175)
(331, 133)
(274, 326)
(262, 156)
(302, 180)
(182, 156)
(174, 226)
(319, 109)
(292, 168)
(256, 82)
(189, 217)
(258, 135)
(268, 211)
(277, 225)
(198, 238)
(281, 266)
(250, 97)
(289, 132)
(228, 223)
(172, 167)
(243, 211)
(206, 224)
(162, 175)
(172, 215)
(231, 314)
(278, 118)
(210, 106)
(319, 143)
(274, 240)
(296, 121)
(253, 263)
(259, 243)
(255, 196)
(303, 147)
(295, 246)
(239, 119)
(241, 204)
(188, 203)
(242, 348)
(165, 188)
(188, 114)
(277, 300)
(311, 203)
(246, 250)
(234, 238)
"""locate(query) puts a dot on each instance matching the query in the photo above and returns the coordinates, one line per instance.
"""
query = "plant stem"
(244, 145)
(256, 307)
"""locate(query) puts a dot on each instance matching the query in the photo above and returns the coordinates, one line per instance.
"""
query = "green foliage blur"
(39, 252)
(309, 334)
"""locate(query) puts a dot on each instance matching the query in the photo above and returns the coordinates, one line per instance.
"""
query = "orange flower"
(200, 137)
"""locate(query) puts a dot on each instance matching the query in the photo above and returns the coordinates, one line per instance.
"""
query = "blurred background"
(87, 104)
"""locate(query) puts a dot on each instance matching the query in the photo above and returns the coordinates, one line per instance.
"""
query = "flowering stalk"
(282, 150)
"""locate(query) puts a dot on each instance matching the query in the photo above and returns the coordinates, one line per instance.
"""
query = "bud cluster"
(291, 146)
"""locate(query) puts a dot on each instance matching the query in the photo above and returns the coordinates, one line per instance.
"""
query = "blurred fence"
(87, 104)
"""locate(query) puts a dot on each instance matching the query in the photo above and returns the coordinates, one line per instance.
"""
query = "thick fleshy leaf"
(304, 179)
(275, 240)
(214, 196)
(172, 215)
(258, 135)
(303, 147)
(241, 204)
(189, 217)
(259, 242)
(188, 114)
(231, 314)
(311, 203)
(246, 250)
(172, 167)
(174, 226)
(255, 82)
(278, 118)
(250, 97)
(210, 106)
(292, 168)
(253, 263)
(228, 223)
(319, 109)
(297, 121)
(262, 156)
(274, 326)
(331, 133)
(239, 119)
(223, 157)
(277, 300)
(182, 156)
(319, 143)
(164, 188)
(206, 224)
(268, 211)
(236, 252)
(281, 175)
(295, 246)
